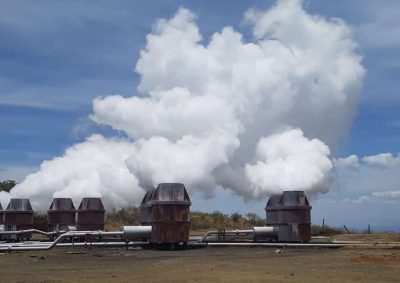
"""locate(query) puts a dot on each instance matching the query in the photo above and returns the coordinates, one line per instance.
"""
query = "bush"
(40, 221)
(7, 185)
(317, 230)
(124, 216)
(218, 220)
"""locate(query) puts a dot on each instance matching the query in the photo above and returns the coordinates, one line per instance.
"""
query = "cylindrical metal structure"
(170, 209)
(1, 221)
(61, 214)
(18, 216)
(145, 209)
(136, 233)
(291, 214)
(90, 215)
(1, 215)
(265, 233)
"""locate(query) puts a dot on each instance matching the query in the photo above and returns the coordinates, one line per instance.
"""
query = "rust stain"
(385, 259)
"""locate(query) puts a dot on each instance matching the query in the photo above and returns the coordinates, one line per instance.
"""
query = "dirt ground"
(211, 264)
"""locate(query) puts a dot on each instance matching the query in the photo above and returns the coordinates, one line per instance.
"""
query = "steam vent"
(90, 215)
(291, 213)
(170, 204)
(61, 214)
(19, 216)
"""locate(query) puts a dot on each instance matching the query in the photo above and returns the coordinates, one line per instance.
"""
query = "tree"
(235, 218)
(218, 218)
(7, 185)
(253, 218)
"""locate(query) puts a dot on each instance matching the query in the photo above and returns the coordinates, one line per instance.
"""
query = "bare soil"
(211, 264)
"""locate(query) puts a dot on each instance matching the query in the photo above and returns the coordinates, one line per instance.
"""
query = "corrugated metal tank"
(61, 214)
(1, 221)
(1, 215)
(19, 216)
(145, 209)
(291, 214)
(90, 215)
(170, 208)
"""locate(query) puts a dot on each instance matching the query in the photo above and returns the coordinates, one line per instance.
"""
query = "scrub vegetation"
(199, 221)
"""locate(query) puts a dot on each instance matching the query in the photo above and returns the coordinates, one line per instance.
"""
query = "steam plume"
(253, 116)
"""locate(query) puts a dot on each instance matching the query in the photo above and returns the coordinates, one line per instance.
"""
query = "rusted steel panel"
(90, 214)
(298, 215)
(170, 214)
(61, 214)
(170, 233)
(1, 215)
(19, 216)
(291, 213)
(146, 209)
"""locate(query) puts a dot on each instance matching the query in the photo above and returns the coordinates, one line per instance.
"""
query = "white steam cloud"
(94, 168)
(256, 117)
(289, 161)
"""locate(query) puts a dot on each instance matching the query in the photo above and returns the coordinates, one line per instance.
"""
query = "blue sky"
(57, 56)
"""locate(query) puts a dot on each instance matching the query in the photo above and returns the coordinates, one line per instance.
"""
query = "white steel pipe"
(59, 240)
(132, 233)
(265, 232)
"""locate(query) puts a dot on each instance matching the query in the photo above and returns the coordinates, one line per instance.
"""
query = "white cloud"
(383, 159)
(347, 162)
(380, 197)
(368, 176)
(382, 27)
(387, 195)
(381, 215)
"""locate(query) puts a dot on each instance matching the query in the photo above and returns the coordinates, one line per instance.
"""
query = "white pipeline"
(57, 241)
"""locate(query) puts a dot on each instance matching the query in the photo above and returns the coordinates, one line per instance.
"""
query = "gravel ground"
(211, 264)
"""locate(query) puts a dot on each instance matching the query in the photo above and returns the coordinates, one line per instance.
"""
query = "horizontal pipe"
(49, 233)
(35, 247)
(43, 246)
(27, 231)
(277, 245)
(31, 246)
(135, 233)
(265, 232)
(226, 233)
(299, 245)
(103, 244)
(59, 240)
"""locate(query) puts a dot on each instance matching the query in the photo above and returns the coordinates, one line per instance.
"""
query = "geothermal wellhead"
(164, 220)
